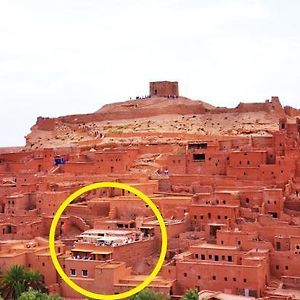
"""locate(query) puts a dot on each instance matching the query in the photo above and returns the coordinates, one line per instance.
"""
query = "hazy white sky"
(60, 57)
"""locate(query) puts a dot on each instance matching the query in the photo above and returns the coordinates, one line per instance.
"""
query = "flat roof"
(101, 252)
(222, 296)
(96, 231)
(215, 246)
(82, 250)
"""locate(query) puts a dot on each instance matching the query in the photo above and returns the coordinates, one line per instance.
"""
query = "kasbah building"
(226, 181)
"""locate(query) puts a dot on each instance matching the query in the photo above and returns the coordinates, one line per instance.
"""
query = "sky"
(73, 56)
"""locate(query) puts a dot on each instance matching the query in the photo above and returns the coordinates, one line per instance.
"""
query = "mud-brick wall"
(134, 252)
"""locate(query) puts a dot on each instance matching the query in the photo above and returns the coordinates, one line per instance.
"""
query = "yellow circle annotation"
(138, 193)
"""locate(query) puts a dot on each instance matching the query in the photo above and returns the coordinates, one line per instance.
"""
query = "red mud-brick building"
(231, 202)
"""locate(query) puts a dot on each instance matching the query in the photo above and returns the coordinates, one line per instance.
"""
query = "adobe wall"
(163, 89)
(141, 250)
(284, 264)
(272, 105)
(228, 277)
(8, 260)
(43, 263)
(49, 202)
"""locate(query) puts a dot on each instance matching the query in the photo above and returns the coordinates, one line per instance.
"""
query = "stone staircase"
(80, 223)
(112, 213)
(54, 169)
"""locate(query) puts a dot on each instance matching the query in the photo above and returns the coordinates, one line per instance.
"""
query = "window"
(209, 215)
(286, 267)
(245, 280)
(199, 157)
(247, 200)
(225, 278)
(197, 255)
(277, 267)
(85, 273)
(229, 258)
(185, 274)
(43, 264)
(223, 257)
(214, 277)
(202, 256)
(72, 272)
(219, 217)
(209, 256)
(197, 146)
(239, 242)
(216, 258)
(199, 277)
(234, 279)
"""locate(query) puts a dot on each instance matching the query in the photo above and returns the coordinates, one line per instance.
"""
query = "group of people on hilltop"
(149, 96)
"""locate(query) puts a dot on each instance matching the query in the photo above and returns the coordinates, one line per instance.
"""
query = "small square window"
(214, 277)
(85, 273)
(234, 279)
(185, 274)
(72, 272)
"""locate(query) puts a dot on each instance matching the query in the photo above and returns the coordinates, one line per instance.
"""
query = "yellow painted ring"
(138, 193)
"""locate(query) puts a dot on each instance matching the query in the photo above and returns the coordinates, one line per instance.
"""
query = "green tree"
(147, 294)
(37, 295)
(191, 294)
(17, 280)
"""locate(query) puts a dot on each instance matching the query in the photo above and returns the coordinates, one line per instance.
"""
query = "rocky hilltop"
(162, 117)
